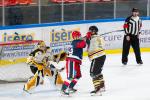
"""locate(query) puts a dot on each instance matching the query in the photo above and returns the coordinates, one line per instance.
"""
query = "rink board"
(58, 35)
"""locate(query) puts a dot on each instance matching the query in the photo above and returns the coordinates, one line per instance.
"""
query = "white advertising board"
(59, 37)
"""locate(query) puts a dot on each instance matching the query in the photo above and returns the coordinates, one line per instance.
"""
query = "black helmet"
(93, 29)
(135, 10)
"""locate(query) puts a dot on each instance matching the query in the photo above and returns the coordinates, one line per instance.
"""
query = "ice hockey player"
(73, 62)
(96, 54)
(40, 67)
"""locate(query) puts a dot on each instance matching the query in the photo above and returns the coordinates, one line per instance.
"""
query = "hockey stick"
(106, 33)
(111, 32)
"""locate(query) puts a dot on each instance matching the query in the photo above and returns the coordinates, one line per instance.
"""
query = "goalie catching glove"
(60, 57)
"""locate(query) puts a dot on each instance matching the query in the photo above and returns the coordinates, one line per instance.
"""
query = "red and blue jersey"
(77, 48)
(73, 61)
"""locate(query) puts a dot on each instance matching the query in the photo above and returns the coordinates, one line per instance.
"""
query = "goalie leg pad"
(33, 81)
(47, 72)
(58, 79)
(56, 76)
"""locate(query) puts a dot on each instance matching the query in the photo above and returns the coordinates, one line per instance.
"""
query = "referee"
(132, 27)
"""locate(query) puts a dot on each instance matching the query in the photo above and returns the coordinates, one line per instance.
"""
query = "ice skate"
(64, 92)
(72, 90)
(124, 63)
(26, 92)
(102, 86)
(96, 92)
(140, 62)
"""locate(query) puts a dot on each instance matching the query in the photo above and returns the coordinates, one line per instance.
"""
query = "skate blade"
(96, 94)
(140, 64)
(26, 92)
(102, 90)
(65, 95)
(71, 92)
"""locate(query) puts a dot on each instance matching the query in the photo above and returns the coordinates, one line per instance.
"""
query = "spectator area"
(16, 2)
(28, 2)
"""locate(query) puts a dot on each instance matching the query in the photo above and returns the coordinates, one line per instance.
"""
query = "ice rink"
(130, 82)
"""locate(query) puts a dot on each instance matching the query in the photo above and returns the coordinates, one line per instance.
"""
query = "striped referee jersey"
(132, 25)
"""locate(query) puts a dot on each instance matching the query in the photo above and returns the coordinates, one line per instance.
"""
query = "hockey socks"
(64, 88)
(71, 86)
(65, 85)
(73, 83)
(102, 83)
(98, 83)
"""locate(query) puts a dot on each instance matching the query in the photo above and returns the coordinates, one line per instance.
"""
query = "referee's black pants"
(134, 42)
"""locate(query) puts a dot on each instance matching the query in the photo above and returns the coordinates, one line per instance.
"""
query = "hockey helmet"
(76, 34)
(41, 44)
(93, 29)
(135, 10)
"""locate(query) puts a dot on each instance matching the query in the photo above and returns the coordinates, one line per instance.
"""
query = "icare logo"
(17, 37)
(62, 35)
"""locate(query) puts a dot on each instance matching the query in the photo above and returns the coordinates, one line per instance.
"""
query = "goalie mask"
(41, 45)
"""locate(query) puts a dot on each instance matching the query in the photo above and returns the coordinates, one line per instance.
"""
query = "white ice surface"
(130, 82)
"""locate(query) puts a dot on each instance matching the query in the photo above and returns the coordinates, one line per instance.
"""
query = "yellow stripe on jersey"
(96, 53)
